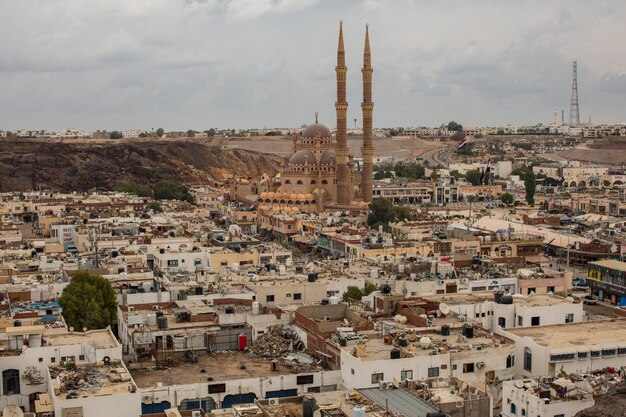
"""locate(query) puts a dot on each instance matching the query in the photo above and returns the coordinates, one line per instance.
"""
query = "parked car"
(588, 299)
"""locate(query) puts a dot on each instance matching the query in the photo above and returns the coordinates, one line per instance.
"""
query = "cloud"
(241, 63)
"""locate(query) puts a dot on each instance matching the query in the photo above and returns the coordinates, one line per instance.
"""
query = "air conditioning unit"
(326, 318)
(273, 401)
(131, 309)
(210, 302)
(480, 365)
(196, 413)
(146, 399)
(155, 307)
(384, 385)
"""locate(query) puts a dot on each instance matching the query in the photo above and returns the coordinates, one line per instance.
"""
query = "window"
(513, 409)
(468, 368)
(454, 367)
(528, 359)
(224, 263)
(551, 289)
(172, 263)
(304, 379)
(376, 378)
(53, 359)
(433, 372)
(408, 374)
(299, 182)
(510, 361)
(10, 382)
(520, 321)
(269, 298)
(502, 322)
(534, 321)
(217, 388)
(569, 318)
(81, 357)
(531, 290)
(297, 296)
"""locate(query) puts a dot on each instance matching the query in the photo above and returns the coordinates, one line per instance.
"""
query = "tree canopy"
(383, 211)
(530, 185)
(116, 135)
(88, 301)
(352, 294)
(160, 132)
(141, 190)
(167, 190)
(473, 176)
(191, 133)
(507, 198)
(454, 126)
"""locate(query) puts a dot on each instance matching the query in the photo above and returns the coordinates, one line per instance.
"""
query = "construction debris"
(277, 343)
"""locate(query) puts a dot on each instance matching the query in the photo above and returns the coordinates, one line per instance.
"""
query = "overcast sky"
(181, 64)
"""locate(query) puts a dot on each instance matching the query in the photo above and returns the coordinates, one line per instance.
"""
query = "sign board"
(73, 412)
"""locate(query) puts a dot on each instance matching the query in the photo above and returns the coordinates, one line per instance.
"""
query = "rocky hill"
(612, 404)
(85, 165)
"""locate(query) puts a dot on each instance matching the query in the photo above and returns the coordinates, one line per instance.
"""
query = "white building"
(533, 398)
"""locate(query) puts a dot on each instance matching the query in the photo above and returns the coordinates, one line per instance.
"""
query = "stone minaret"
(344, 191)
(367, 106)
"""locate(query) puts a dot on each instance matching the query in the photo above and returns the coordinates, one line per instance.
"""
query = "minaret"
(367, 106)
(344, 192)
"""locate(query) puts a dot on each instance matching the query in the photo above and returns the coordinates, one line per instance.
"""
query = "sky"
(192, 64)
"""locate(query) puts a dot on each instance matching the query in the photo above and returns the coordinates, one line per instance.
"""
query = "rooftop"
(218, 367)
(600, 332)
(102, 338)
(611, 264)
(94, 381)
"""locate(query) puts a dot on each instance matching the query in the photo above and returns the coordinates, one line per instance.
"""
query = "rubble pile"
(276, 343)
(613, 403)
(79, 380)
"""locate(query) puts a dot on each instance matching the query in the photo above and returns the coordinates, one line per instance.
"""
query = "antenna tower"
(574, 114)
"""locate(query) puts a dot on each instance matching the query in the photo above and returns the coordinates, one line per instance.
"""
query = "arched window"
(299, 182)
(10, 382)
(313, 182)
(513, 409)
(287, 181)
(502, 322)
(324, 182)
(523, 411)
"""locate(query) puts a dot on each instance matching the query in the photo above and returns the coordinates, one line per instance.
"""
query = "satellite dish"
(84, 329)
(444, 308)
(12, 411)
(71, 329)
(518, 384)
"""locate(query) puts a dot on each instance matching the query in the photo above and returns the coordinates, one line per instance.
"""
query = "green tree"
(160, 132)
(530, 185)
(379, 175)
(167, 190)
(143, 135)
(352, 294)
(507, 198)
(369, 288)
(382, 212)
(191, 133)
(156, 207)
(455, 174)
(211, 132)
(473, 176)
(88, 301)
(141, 190)
(116, 135)
(454, 126)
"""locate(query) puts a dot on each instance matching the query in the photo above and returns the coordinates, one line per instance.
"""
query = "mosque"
(320, 172)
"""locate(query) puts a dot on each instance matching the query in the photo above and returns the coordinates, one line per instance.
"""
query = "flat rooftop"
(95, 381)
(220, 367)
(98, 338)
(575, 334)
(611, 264)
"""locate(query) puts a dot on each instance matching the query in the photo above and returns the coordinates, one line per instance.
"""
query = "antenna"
(574, 113)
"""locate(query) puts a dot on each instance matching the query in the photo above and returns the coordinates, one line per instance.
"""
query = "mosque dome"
(300, 157)
(328, 158)
(316, 129)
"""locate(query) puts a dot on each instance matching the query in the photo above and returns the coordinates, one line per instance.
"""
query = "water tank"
(385, 289)
(497, 296)
(242, 340)
(358, 412)
(162, 322)
(445, 330)
(198, 290)
(312, 277)
(343, 341)
(299, 269)
(467, 330)
(256, 308)
(324, 301)
(394, 353)
(333, 300)
(402, 342)
(17, 323)
(506, 299)
(374, 273)
(230, 310)
(425, 342)
(161, 251)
